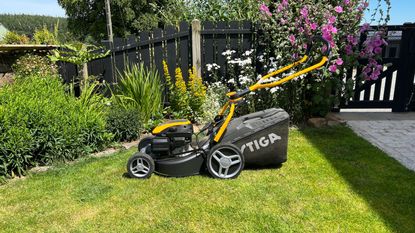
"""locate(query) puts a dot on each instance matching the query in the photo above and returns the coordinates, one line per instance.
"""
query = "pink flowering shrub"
(288, 24)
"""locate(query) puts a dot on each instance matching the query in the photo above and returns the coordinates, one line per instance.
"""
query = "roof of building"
(18, 48)
(3, 31)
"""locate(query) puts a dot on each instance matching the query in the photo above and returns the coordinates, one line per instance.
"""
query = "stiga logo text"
(261, 142)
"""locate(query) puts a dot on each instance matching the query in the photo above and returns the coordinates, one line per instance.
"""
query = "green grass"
(334, 181)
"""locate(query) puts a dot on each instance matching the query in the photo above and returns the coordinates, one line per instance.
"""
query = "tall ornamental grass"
(141, 89)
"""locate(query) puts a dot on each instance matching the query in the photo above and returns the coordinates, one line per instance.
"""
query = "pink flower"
(292, 39)
(378, 50)
(265, 9)
(364, 27)
(332, 19)
(333, 68)
(339, 61)
(304, 12)
(284, 2)
(313, 26)
(349, 49)
(338, 9)
(352, 39)
(347, 2)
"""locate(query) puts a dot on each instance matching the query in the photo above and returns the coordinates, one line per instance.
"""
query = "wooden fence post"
(406, 71)
(196, 51)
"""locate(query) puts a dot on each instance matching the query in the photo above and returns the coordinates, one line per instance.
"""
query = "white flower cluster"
(240, 62)
(212, 66)
(228, 54)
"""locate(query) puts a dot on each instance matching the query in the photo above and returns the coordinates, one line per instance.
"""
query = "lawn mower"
(229, 144)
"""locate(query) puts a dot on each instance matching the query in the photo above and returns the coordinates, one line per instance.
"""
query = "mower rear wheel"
(140, 165)
(225, 161)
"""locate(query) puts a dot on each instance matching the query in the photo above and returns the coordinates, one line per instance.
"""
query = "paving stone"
(395, 137)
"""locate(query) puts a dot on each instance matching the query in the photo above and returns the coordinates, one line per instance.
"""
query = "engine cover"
(172, 135)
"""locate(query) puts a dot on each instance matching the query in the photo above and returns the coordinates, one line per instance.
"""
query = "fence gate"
(395, 87)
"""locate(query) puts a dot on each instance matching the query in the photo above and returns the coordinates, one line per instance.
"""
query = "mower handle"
(234, 96)
(313, 39)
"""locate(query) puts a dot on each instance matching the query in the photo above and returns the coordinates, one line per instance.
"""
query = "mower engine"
(172, 137)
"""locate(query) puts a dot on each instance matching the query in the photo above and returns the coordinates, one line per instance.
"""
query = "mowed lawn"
(334, 181)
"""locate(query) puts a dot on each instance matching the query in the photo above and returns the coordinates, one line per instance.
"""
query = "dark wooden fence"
(222, 36)
(150, 48)
(393, 89)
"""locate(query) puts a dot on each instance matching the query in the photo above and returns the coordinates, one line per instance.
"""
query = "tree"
(87, 17)
(28, 24)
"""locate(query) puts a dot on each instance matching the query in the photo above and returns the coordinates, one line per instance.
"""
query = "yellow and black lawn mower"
(256, 139)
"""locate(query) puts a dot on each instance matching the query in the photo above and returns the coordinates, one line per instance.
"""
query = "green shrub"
(44, 36)
(140, 89)
(41, 124)
(14, 38)
(123, 123)
(31, 64)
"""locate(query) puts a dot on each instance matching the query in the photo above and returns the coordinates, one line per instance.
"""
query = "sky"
(402, 10)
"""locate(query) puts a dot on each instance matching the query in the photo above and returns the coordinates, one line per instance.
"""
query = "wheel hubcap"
(225, 162)
(140, 167)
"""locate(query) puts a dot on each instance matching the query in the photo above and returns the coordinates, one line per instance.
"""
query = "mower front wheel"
(140, 165)
(225, 161)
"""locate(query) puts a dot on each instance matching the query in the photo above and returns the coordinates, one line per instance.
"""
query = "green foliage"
(44, 36)
(219, 10)
(197, 92)
(77, 53)
(139, 89)
(87, 18)
(14, 38)
(28, 24)
(41, 124)
(185, 100)
(31, 64)
(123, 123)
(215, 99)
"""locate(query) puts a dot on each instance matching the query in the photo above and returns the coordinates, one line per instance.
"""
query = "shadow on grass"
(387, 186)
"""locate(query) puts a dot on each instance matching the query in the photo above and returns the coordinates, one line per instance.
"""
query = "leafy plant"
(123, 123)
(214, 100)
(14, 38)
(79, 54)
(31, 64)
(85, 18)
(185, 99)
(197, 92)
(208, 10)
(139, 88)
(41, 124)
(44, 36)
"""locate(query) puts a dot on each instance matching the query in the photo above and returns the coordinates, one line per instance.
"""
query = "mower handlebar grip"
(315, 39)
(240, 93)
